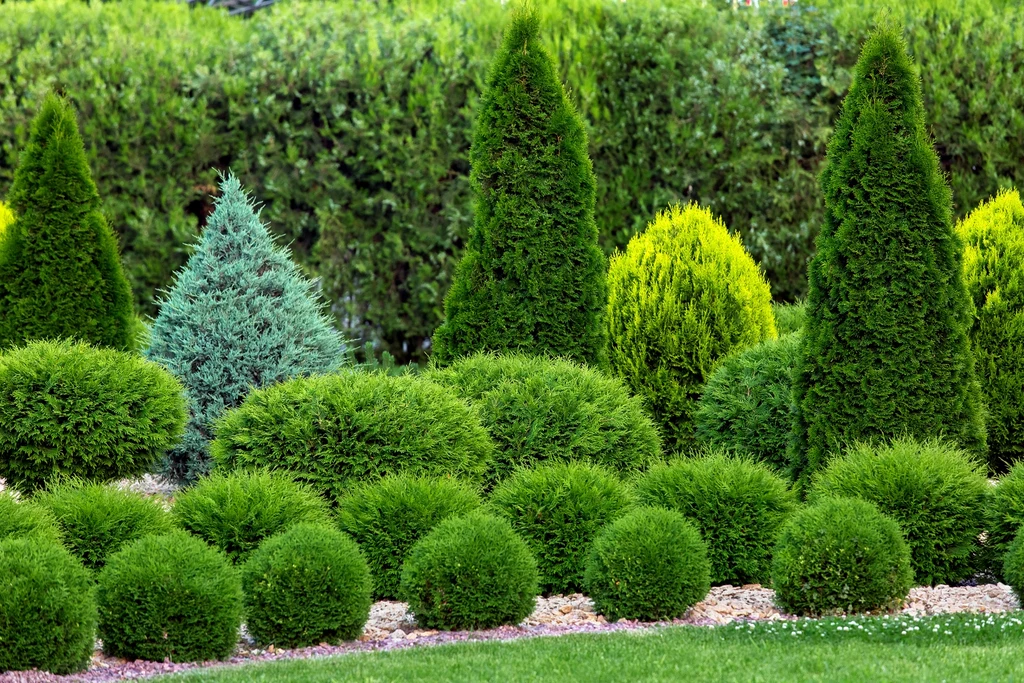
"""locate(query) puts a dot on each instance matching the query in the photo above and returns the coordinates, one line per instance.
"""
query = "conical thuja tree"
(885, 351)
(239, 316)
(60, 271)
(532, 278)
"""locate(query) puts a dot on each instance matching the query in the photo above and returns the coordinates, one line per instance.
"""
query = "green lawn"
(963, 648)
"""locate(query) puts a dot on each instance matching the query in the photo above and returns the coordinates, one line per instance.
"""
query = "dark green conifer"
(885, 351)
(532, 278)
(60, 271)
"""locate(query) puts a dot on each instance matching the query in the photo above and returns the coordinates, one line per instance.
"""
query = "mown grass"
(945, 648)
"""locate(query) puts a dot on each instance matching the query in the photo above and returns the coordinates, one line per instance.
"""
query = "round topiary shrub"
(236, 511)
(540, 409)
(306, 586)
(389, 516)
(1006, 510)
(47, 608)
(69, 409)
(333, 431)
(745, 406)
(650, 564)
(169, 597)
(935, 492)
(97, 519)
(470, 572)
(19, 519)
(737, 505)
(840, 555)
(558, 510)
(1013, 566)
(993, 236)
(683, 296)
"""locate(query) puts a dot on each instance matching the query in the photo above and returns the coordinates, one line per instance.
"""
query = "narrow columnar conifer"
(885, 351)
(533, 277)
(60, 271)
(239, 316)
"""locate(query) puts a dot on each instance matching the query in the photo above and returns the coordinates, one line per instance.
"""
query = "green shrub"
(532, 277)
(20, 519)
(47, 608)
(336, 430)
(306, 586)
(97, 519)
(993, 236)
(539, 409)
(73, 410)
(1013, 566)
(840, 555)
(935, 492)
(683, 296)
(239, 316)
(60, 272)
(1005, 510)
(470, 572)
(737, 505)
(169, 597)
(389, 516)
(558, 510)
(885, 351)
(745, 408)
(789, 317)
(6, 218)
(236, 511)
(650, 564)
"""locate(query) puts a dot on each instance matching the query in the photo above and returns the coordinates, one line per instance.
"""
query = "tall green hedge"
(351, 121)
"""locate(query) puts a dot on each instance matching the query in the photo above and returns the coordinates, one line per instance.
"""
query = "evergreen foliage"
(388, 517)
(540, 410)
(745, 408)
(97, 519)
(239, 316)
(683, 296)
(558, 509)
(993, 236)
(789, 317)
(885, 351)
(47, 608)
(532, 277)
(1013, 566)
(69, 409)
(650, 564)
(20, 519)
(840, 556)
(60, 270)
(306, 586)
(6, 218)
(1006, 510)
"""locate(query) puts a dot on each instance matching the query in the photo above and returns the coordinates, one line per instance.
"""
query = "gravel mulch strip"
(391, 627)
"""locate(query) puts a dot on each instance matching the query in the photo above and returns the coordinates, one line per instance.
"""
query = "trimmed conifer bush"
(470, 572)
(650, 564)
(68, 409)
(6, 218)
(389, 516)
(236, 511)
(885, 351)
(745, 408)
(789, 317)
(20, 519)
(683, 296)
(47, 608)
(540, 409)
(532, 277)
(1006, 510)
(1013, 566)
(169, 597)
(840, 555)
(993, 236)
(306, 586)
(239, 316)
(737, 505)
(558, 509)
(60, 270)
(935, 492)
(97, 519)
(334, 431)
